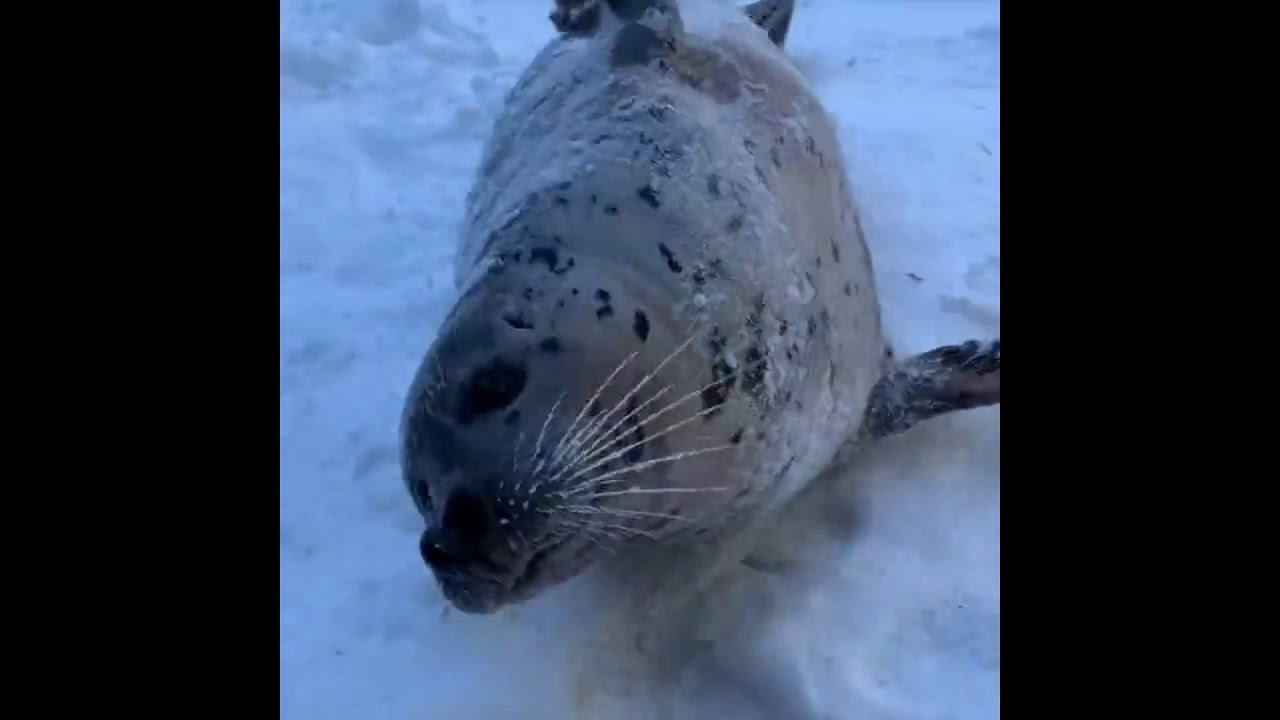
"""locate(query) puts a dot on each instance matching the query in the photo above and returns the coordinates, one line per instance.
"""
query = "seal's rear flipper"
(942, 380)
(583, 17)
(774, 17)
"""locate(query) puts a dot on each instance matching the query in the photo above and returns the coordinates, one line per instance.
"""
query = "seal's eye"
(491, 388)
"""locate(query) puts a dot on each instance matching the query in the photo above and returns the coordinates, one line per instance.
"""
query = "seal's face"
(486, 534)
(525, 449)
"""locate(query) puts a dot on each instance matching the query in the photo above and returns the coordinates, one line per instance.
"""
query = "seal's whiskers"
(593, 427)
(537, 448)
(603, 435)
(562, 446)
(619, 512)
(594, 483)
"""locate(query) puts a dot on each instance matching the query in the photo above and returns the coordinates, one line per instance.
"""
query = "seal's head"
(541, 430)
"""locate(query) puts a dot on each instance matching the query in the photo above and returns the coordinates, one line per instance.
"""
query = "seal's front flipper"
(943, 380)
(774, 17)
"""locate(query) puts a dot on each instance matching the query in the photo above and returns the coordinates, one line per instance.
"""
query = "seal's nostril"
(434, 555)
(457, 543)
(466, 520)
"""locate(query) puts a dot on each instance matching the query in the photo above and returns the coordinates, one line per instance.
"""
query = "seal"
(667, 321)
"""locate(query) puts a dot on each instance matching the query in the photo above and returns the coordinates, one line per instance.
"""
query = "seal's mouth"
(532, 576)
(477, 594)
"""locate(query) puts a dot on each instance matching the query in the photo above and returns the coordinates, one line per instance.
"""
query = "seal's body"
(668, 320)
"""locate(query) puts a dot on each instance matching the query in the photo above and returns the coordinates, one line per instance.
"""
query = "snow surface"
(879, 595)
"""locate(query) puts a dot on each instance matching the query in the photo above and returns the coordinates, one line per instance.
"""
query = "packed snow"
(875, 596)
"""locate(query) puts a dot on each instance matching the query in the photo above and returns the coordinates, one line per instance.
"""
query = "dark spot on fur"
(512, 418)
(776, 156)
(562, 201)
(637, 44)
(718, 391)
(602, 296)
(764, 179)
(716, 341)
(716, 265)
(649, 195)
(595, 408)
(673, 264)
(574, 291)
(550, 345)
(848, 289)
(604, 312)
(549, 257)
(517, 321)
(749, 144)
(737, 436)
(753, 373)
(713, 185)
(810, 145)
(782, 328)
(528, 293)
(699, 276)
(825, 318)
(610, 209)
(813, 326)
(818, 261)
(835, 250)
(594, 199)
(641, 326)
(490, 388)
(734, 224)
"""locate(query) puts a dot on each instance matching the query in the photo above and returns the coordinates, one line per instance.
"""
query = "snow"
(887, 604)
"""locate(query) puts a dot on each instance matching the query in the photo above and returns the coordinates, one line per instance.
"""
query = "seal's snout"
(457, 545)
